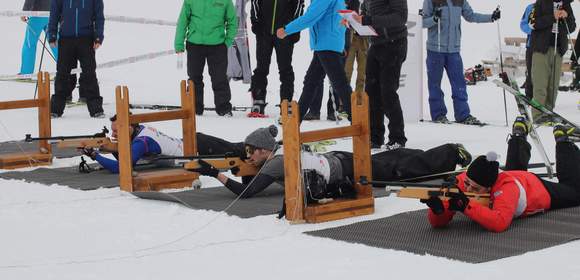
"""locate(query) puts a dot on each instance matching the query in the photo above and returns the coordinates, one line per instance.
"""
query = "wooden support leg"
(294, 193)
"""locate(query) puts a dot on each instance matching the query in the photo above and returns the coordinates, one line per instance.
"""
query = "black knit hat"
(484, 170)
(263, 138)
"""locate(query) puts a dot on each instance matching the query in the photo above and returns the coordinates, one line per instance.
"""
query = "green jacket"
(206, 22)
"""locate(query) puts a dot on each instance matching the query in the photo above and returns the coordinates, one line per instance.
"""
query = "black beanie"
(484, 169)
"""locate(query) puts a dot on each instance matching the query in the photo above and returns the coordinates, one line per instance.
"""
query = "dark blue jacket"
(75, 19)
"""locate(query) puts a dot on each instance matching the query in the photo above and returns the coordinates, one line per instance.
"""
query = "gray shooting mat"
(267, 202)
(462, 239)
(20, 146)
(67, 176)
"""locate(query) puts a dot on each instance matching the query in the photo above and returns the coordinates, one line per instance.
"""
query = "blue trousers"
(453, 65)
(34, 27)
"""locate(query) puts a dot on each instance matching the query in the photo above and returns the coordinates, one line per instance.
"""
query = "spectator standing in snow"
(327, 42)
(266, 17)
(442, 18)
(207, 28)
(549, 19)
(525, 27)
(78, 26)
(385, 57)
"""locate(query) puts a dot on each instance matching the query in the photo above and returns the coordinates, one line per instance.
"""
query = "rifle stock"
(103, 143)
(442, 193)
(238, 166)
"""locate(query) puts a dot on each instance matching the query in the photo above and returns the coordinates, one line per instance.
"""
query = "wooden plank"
(124, 139)
(514, 41)
(20, 160)
(158, 116)
(361, 144)
(329, 133)
(164, 179)
(44, 121)
(188, 124)
(426, 193)
(339, 209)
(294, 193)
(19, 104)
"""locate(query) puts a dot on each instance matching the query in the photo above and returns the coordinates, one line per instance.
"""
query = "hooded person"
(514, 193)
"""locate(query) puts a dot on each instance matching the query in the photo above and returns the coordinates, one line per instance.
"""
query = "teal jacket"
(206, 22)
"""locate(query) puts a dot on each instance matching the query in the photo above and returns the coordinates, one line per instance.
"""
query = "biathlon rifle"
(442, 190)
(228, 161)
(97, 140)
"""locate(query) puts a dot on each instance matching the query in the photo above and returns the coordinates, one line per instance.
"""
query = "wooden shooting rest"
(44, 154)
(363, 204)
(155, 180)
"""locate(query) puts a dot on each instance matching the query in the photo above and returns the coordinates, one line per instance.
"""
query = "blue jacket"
(75, 19)
(450, 22)
(326, 32)
(524, 25)
(140, 147)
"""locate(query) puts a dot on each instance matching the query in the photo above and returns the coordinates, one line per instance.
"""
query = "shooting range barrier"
(155, 180)
(296, 208)
(43, 156)
(462, 239)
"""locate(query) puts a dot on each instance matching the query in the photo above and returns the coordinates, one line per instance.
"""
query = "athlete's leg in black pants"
(518, 154)
(566, 193)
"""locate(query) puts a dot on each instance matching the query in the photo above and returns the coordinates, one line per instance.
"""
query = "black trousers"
(70, 51)
(265, 44)
(406, 163)
(323, 63)
(383, 71)
(565, 193)
(217, 62)
(317, 101)
(210, 145)
(529, 86)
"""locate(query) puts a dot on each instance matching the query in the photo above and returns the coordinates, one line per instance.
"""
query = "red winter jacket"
(506, 201)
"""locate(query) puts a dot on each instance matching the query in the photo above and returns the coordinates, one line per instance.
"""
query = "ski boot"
(563, 133)
(464, 156)
(521, 127)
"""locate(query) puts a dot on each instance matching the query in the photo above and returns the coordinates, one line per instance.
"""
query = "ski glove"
(437, 14)
(89, 152)
(206, 169)
(458, 201)
(435, 204)
(496, 15)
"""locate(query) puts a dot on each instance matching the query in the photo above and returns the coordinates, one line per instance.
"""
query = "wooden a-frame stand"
(296, 208)
(155, 180)
(44, 154)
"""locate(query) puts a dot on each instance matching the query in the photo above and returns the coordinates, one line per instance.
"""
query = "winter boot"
(471, 120)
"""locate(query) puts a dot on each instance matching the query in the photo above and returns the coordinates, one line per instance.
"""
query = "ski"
(512, 87)
(455, 122)
(163, 107)
(521, 98)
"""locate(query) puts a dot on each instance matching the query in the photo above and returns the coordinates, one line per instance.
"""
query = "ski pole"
(40, 65)
(569, 40)
(501, 70)
(439, 35)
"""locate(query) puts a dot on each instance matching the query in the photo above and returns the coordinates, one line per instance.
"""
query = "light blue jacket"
(524, 25)
(326, 32)
(450, 22)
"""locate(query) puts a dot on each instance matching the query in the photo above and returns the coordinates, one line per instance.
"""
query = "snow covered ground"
(53, 232)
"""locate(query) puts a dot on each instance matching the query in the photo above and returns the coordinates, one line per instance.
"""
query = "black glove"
(435, 204)
(437, 14)
(89, 152)
(458, 201)
(206, 169)
(255, 28)
(495, 15)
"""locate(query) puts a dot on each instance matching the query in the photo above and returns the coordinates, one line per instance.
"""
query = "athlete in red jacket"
(514, 193)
